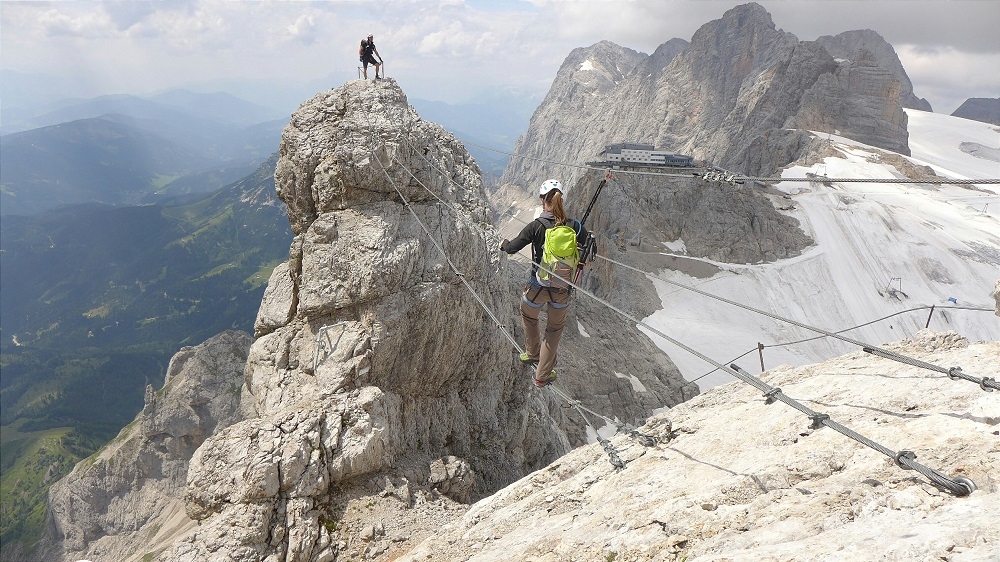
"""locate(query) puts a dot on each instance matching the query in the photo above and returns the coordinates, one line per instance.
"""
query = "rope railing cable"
(614, 459)
(822, 179)
(621, 426)
(987, 383)
(958, 485)
(924, 307)
(739, 178)
(796, 342)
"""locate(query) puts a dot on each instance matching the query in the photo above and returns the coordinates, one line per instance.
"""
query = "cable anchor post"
(771, 396)
(817, 420)
(642, 438)
(902, 457)
(613, 457)
(966, 483)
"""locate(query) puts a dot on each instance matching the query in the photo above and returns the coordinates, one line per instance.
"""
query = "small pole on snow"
(928, 323)
(760, 351)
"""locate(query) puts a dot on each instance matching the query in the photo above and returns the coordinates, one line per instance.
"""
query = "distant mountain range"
(495, 122)
(732, 96)
(95, 275)
(210, 108)
(123, 150)
(97, 298)
(986, 110)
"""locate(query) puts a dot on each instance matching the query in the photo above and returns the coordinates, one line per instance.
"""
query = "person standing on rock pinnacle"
(367, 53)
(554, 239)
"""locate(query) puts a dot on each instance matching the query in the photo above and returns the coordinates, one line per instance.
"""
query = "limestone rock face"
(734, 478)
(738, 80)
(279, 302)
(373, 360)
(847, 45)
(379, 398)
(102, 509)
(986, 110)
(718, 221)
(861, 100)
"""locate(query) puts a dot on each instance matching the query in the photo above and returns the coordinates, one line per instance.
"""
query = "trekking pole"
(588, 245)
(593, 200)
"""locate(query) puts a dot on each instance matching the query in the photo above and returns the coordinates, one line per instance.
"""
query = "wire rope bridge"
(905, 459)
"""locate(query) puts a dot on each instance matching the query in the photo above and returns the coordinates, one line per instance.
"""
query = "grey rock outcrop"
(376, 378)
(996, 296)
(738, 82)
(721, 222)
(849, 44)
(378, 397)
(733, 478)
(370, 356)
(861, 100)
(127, 499)
(986, 110)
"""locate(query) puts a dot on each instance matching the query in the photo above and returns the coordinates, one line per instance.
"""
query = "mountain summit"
(722, 98)
(378, 377)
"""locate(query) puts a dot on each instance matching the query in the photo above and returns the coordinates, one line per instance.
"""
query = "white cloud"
(439, 49)
(56, 22)
(303, 29)
(947, 76)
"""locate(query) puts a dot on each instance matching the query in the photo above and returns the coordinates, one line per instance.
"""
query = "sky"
(448, 50)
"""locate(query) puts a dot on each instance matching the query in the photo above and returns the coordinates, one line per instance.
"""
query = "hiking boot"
(527, 359)
(547, 381)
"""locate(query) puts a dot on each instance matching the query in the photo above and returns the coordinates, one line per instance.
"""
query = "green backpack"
(559, 256)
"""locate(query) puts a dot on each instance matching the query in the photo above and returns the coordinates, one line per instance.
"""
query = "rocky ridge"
(849, 46)
(128, 498)
(738, 82)
(378, 397)
(738, 223)
(734, 478)
(986, 110)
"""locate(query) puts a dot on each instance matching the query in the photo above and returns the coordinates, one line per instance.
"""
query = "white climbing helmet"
(548, 186)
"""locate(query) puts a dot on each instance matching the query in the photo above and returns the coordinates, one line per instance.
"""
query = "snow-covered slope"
(881, 249)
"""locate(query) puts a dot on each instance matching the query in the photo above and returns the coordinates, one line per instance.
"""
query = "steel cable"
(903, 458)
(985, 384)
(960, 485)
(739, 178)
(606, 445)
